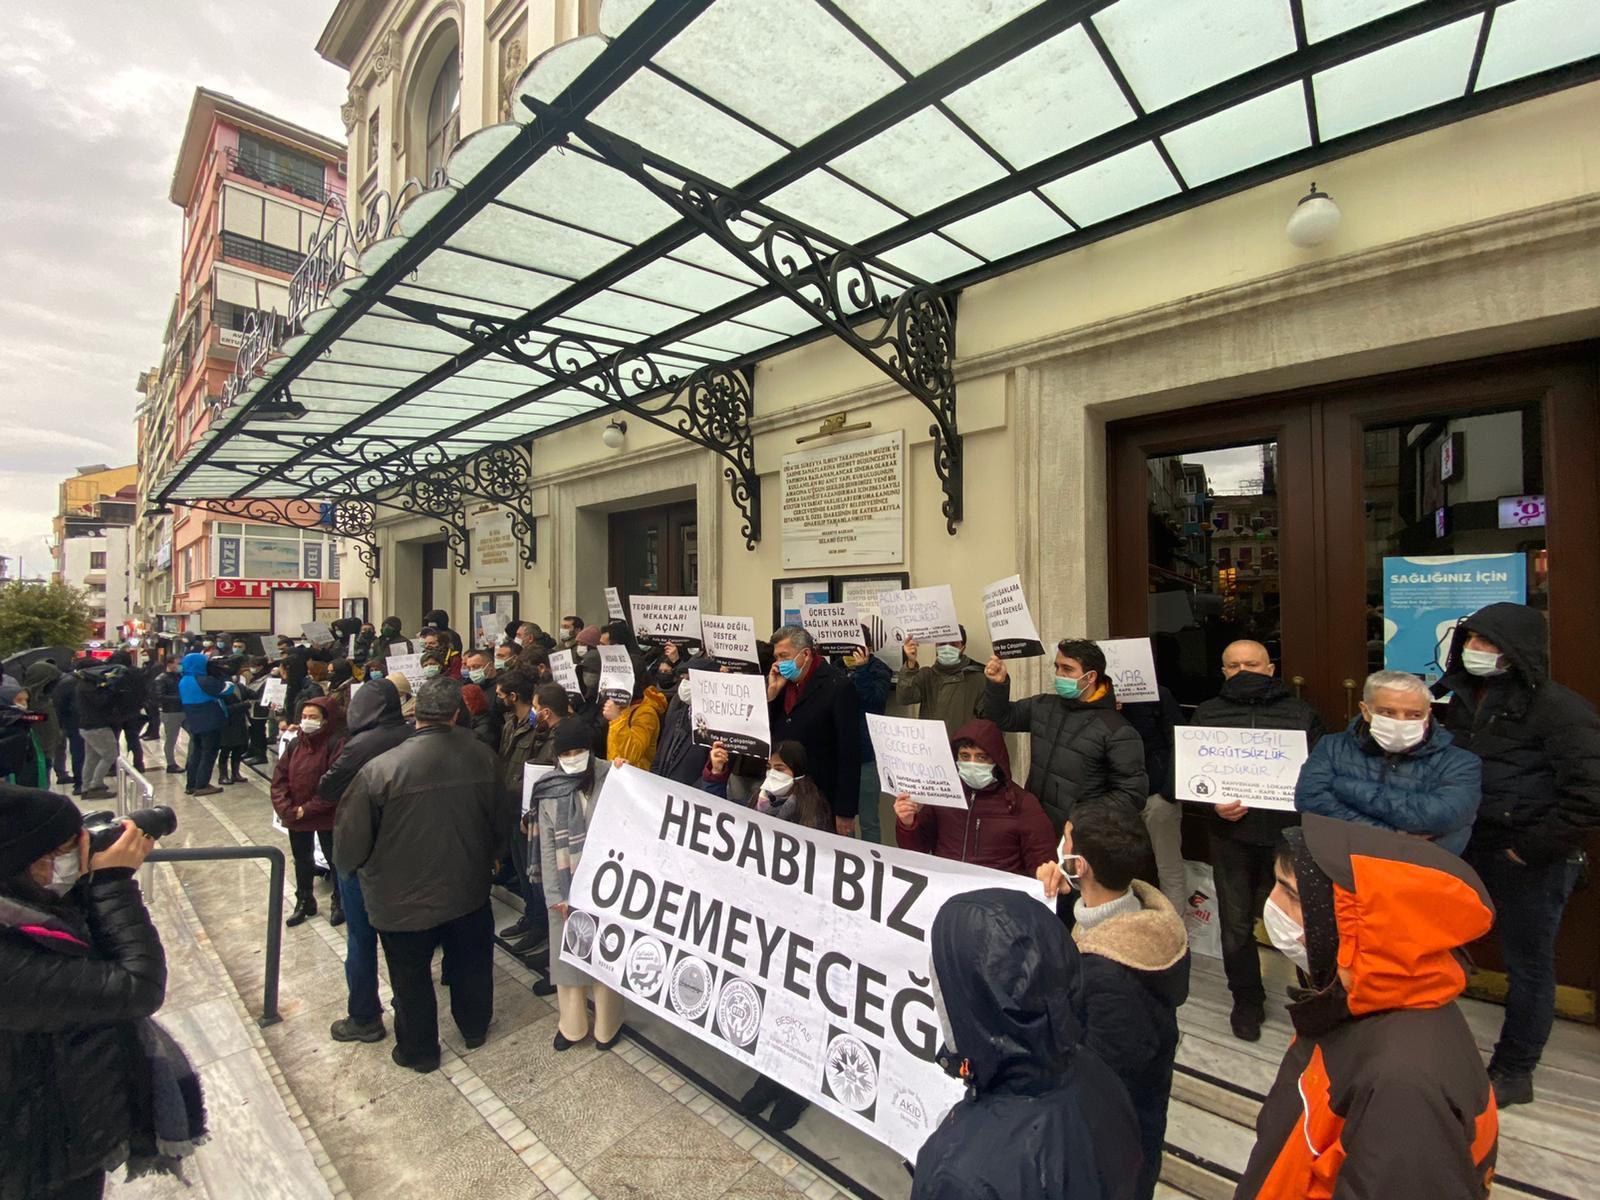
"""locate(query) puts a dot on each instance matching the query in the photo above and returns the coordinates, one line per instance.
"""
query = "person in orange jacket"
(634, 731)
(1382, 1093)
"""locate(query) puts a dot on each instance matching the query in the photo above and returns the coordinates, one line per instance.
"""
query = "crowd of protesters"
(1435, 816)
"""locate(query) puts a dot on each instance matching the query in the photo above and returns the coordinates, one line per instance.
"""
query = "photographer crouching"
(90, 1081)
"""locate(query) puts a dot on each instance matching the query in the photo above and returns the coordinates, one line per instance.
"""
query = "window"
(373, 128)
(278, 166)
(97, 560)
(444, 114)
(268, 551)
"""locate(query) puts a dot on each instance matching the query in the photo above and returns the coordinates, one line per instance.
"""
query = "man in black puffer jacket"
(1243, 842)
(1540, 746)
(376, 726)
(1084, 750)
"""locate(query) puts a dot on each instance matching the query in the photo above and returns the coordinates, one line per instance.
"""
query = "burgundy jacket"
(1004, 826)
(301, 768)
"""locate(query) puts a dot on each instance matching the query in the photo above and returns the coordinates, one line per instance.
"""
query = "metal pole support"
(274, 857)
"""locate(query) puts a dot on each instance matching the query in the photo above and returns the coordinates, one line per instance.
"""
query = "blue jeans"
(202, 760)
(1528, 903)
(361, 952)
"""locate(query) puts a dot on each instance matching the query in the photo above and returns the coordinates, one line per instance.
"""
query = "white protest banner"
(1255, 767)
(731, 709)
(564, 670)
(1132, 668)
(793, 951)
(926, 614)
(730, 641)
(914, 760)
(274, 693)
(531, 774)
(616, 674)
(410, 666)
(665, 618)
(836, 628)
(614, 608)
(1012, 632)
(317, 633)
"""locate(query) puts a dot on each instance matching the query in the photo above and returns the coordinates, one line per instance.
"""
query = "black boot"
(305, 906)
(336, 910)
(759, 1097)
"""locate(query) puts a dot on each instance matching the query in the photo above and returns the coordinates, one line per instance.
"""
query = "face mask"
(777, 784)
(1481, 663)
(430, 671)
(65, 870)
(1395, 735)
(477, 674)
(948, 656)
(1288, 938)
(684, 691)
(789, 668)
(502, 664)
(238, 649)
(1068, 689)
(1071, 867)
(976, 776)
(575, 764)
(568, 634)
(374, 673)
(310, 726)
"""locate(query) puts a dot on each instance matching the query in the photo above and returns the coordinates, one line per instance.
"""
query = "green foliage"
(42, 614)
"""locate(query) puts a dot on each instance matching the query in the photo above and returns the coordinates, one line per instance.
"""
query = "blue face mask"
(789, 668)
(1068, 689)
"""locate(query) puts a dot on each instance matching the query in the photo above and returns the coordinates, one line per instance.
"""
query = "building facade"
(93, 543)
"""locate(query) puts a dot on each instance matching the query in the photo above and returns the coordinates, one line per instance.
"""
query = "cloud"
(93, 98)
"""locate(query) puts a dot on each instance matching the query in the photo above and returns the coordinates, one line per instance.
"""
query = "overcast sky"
(93, 97)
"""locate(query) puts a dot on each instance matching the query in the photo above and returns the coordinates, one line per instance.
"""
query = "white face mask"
(948, 656)
(1288, 937)
(684, 691)
(65, 870)
(777, 784)
(1482, 663)
(310, 726)
(575, 764)
(1395, 735)
(976, 775)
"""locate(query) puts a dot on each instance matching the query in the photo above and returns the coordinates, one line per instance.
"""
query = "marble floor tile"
(674, 1156)
(332, 1078)
(515, 1007)
(592, 1109)
(207, 1031)
(760, 1183)
(391, 1145)
(479, 1166)
(524, 1064)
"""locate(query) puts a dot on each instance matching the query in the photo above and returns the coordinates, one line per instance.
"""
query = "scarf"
(167, 1105)
(569, 829)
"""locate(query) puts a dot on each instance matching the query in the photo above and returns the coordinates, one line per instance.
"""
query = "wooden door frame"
(674, 516)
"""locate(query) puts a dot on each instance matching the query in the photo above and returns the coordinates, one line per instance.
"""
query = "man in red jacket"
(1003, 825)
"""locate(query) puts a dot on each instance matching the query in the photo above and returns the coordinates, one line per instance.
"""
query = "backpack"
(111, 677)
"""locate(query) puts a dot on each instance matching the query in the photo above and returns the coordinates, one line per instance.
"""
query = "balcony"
(261, 254)
(279, 173)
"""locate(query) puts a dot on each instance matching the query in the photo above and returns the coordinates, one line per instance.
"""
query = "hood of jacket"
(332, 719)
(39, 678)
(1004, 971)
(1152, 941)
(47, 929)
(1404, 909)
(1519, 631)
(377, 703)
(194, 665)
(1247, 687)
(987, 737)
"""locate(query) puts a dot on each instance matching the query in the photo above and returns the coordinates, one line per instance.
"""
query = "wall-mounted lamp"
(1314, 220)
(614, 434)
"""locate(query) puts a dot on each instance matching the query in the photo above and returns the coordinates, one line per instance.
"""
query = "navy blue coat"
(1431, 789)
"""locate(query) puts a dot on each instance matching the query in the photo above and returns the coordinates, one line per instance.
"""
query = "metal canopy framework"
(708, 183)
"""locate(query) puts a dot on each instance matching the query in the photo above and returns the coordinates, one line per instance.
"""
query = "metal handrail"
(129, 781)
(274, 857)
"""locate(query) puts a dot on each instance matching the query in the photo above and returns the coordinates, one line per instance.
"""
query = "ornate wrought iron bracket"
(904, 326)
(352, 520)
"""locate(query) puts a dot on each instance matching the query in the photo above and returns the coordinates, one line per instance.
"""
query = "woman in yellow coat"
(634, 731)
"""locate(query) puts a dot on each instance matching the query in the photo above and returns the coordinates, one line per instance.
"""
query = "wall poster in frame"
(480, 604)
(354, 606)
(790, 595)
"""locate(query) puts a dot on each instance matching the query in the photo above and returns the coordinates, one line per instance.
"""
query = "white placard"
(274, 693)
(491, 626)
(1132, 667)
(729, 641)
(410, 666)
(1254, 767)
(731, 709)
(1012, 632)
(844, 504)
(616, 674)
(791, 950)
(531, 774)
(317, 633)
(926, 614)
(836, 628)
(564, 670)
(914, 760)
(614, 608)
(494, 549)
(397, 649)
(665, 618)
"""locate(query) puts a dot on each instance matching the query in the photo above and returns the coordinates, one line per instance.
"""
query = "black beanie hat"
(573, 734)
(33, 822)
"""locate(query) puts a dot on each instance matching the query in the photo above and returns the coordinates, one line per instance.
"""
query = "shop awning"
(711, 182)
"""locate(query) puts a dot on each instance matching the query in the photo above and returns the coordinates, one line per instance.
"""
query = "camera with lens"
(105, 828)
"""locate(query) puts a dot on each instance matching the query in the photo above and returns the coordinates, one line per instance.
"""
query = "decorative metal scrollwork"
(503, 475)
(901, 324)
(352, 520)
